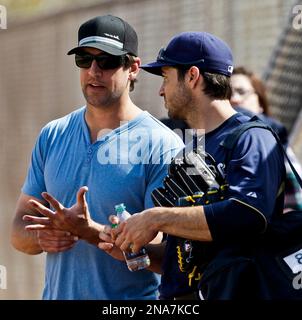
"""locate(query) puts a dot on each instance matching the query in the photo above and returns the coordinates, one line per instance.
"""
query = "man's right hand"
(76, 220)
(55, 240)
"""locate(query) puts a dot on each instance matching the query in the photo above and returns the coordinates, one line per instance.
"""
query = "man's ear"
(193, 76)
(134, 68)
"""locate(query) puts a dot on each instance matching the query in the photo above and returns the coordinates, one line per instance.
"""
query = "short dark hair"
(216, 85)
(129, 60)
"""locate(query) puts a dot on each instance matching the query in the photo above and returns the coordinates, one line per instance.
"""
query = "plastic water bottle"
(135, 261)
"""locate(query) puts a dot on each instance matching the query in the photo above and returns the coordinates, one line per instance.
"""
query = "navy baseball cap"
(201, 49)
(108, 33)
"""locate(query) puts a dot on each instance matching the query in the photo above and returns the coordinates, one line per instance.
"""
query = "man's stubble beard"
(100, 101)
(183, 102)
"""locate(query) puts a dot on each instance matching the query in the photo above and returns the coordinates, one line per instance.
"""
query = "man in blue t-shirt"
(110, 146)
(196, 69)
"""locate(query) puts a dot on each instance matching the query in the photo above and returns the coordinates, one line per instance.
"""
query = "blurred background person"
(249, 97)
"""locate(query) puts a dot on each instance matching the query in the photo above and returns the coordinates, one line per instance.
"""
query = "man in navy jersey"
(196, 69)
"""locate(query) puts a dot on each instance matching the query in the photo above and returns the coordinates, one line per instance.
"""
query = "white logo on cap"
(102, 40)
(112, 36)
(230, 69)
(252, 194)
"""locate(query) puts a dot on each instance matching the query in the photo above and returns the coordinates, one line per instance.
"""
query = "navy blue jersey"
(254, 174)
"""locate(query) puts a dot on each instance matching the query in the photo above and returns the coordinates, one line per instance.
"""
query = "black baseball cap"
(201, 49)
(108, 33)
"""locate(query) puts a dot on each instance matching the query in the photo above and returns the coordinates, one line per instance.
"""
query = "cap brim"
(155, 67)
(103, 47)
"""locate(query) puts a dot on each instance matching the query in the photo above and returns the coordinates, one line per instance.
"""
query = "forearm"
(185, 222)
(23, 240)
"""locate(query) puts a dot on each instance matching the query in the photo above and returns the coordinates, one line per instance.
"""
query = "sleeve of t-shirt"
(254, 175)
(34, 183)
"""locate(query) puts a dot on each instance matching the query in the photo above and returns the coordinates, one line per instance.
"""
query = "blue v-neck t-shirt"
(124, 165)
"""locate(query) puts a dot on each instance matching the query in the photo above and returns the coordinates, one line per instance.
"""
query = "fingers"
(105, 237)
(54, 202)
(56, 235)
(117, 230)
(135, 247)
(107, 230)
(105, 246)
(55, 240)
(126, 242)
(126, 246)
(118, 235)
(35, 227)
(41, 208)
(81, 196)
(112, 250)
(114, 224)
(114, 219)
(123, 243)
(39, 220)
(130, 247)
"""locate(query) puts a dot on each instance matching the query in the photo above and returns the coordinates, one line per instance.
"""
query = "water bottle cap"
(119, 208)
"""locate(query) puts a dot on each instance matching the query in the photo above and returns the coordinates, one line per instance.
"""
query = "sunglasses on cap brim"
(105, 62)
